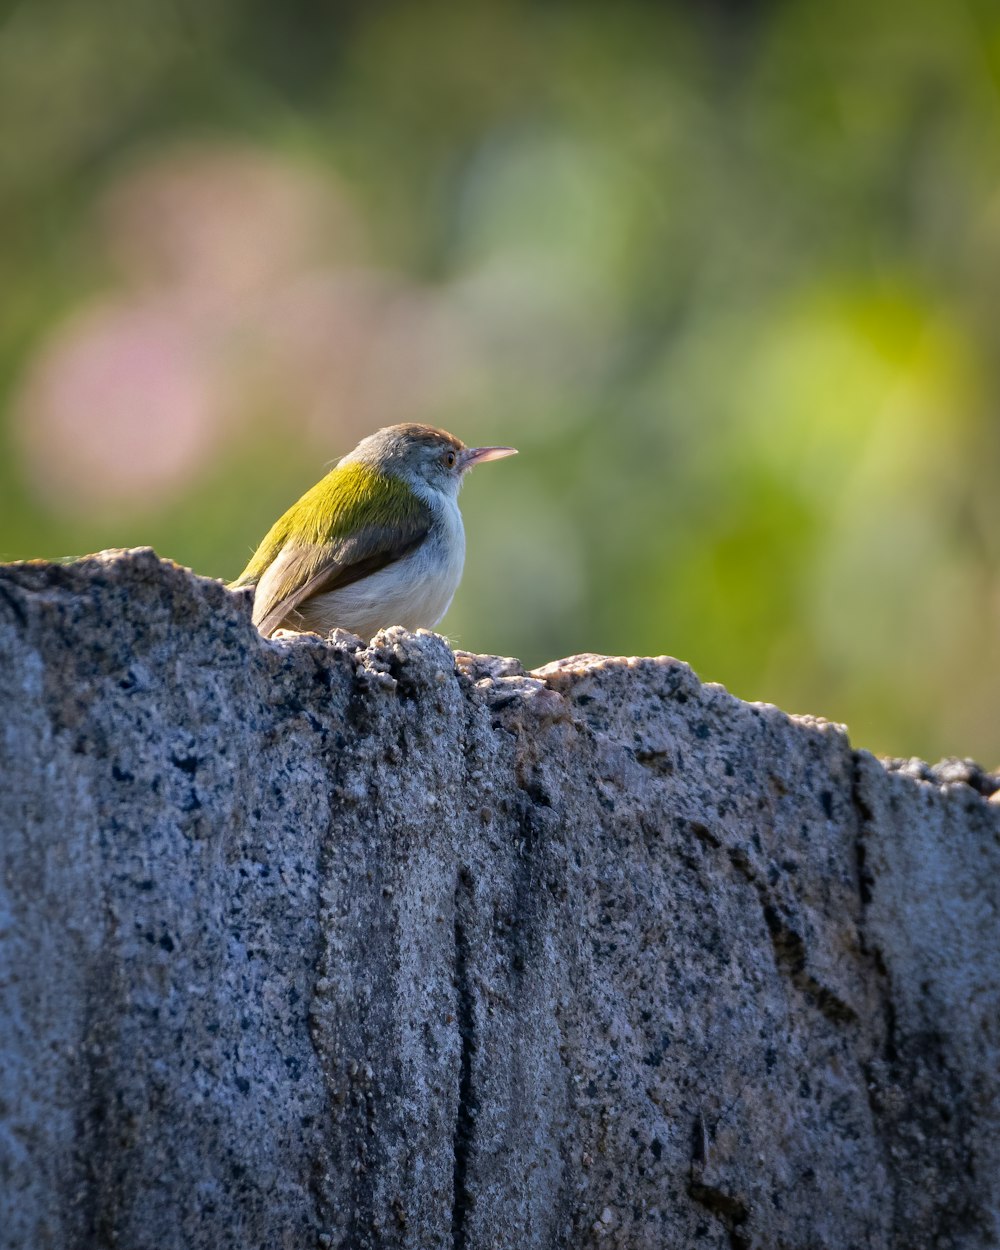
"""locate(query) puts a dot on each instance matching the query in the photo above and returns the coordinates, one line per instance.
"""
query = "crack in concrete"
(465, 1114)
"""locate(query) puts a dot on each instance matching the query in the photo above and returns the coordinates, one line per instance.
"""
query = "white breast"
(414, 592)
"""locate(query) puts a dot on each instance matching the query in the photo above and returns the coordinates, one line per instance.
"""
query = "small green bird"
(379, 541)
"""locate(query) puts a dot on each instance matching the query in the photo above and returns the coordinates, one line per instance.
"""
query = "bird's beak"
(479, 455)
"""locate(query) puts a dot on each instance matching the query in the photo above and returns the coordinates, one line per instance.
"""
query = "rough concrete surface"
(304, 944)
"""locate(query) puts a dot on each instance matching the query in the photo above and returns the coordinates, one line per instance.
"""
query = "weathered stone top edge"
(947, 772)
(566, 677)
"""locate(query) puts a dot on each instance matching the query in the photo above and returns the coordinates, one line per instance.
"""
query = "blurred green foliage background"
(727, 274)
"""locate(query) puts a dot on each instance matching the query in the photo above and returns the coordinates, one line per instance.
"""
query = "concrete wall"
(309, 945)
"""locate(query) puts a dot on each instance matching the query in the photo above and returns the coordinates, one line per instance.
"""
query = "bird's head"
(421, 454)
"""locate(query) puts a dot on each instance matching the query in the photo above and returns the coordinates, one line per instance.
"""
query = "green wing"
(351, 524)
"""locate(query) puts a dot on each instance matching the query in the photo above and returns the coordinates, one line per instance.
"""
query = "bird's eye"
(449, 459)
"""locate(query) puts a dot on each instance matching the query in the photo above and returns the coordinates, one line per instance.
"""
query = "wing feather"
(351, 524)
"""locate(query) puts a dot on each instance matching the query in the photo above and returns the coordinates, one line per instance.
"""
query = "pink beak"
(479, 455)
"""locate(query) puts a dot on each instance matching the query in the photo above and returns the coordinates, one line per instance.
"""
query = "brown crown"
(413, 431)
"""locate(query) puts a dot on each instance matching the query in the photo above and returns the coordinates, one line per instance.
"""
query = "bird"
(379, 541)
